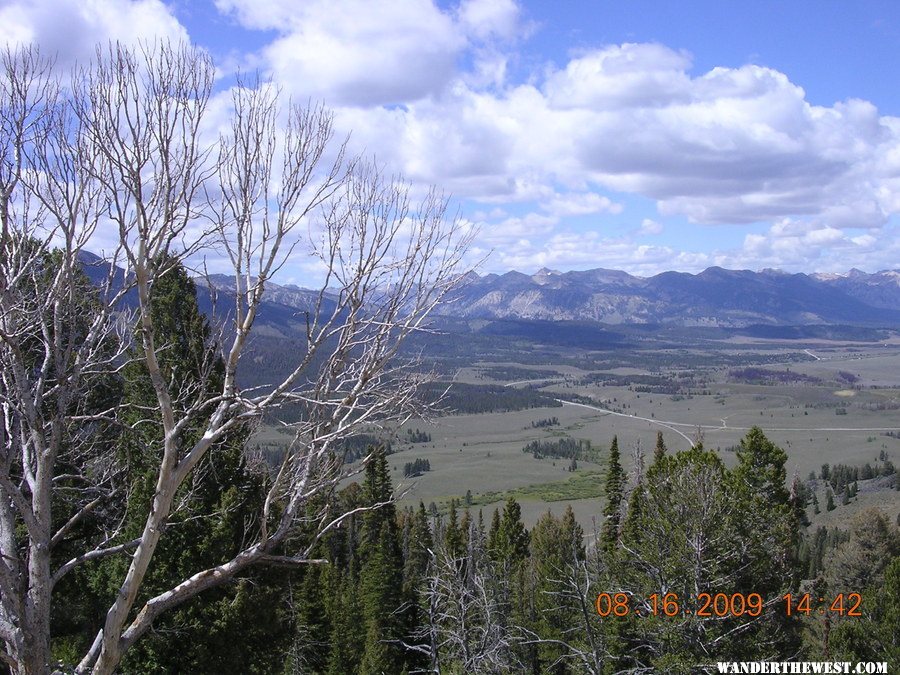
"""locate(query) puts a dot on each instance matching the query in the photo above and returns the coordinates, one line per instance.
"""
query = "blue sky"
(642, 135)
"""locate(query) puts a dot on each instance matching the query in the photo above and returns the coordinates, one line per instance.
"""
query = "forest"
(143, 529)
(403, 589)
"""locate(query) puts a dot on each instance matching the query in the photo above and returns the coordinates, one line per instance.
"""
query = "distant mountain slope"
(881, 289)
(714, 297)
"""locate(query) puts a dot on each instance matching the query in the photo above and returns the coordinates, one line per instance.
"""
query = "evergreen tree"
(381, 575)
(815, 502)
(829, 500)
(347, 640)
(511, 540)
(876, 635)
(761, 467)
(494, 533)
(615, 485)
(860, 561)
(551, 617)
(417, 556)
(770, 517)
(239, 626)
(683, 529)
(454, 542)
(660, 451)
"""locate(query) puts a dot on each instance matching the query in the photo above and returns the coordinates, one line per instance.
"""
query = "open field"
(823, 402)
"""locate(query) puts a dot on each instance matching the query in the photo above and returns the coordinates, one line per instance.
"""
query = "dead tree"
(123, 154)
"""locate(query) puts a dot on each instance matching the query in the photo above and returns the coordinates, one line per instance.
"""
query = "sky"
(642, 135)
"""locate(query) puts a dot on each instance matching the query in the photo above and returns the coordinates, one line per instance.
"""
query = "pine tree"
(381, 574)
(417, 555)
(494, 532)
(347, 639)
(454, 541)
(761, 467)
(615, 485)
(551, 616)
(682, 528)
(511, 541)
(237, 626)
(815, 503)
(829, 500)
(660, 450)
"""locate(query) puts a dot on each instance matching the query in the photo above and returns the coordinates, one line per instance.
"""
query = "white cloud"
(806, 246)
(360, 53)
(71, 29)
(580, 204)
(644, 75)
(650, 227)
(485, 19)
(518, 231)
(426, 89)
(734, 145)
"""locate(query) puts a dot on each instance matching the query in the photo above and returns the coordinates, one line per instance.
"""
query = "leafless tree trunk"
(124, 149)
(465, 628)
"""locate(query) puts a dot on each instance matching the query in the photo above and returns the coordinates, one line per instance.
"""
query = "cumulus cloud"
(485, 19)
(799, 245)
(426, 89)
(71, 29)
(632, 75)
(580, 204)
(360, 53)
(732, 146)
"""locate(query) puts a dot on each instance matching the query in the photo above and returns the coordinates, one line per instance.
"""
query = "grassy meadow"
(823, 402)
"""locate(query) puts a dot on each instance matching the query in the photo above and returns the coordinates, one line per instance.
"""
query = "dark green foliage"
(692, 526)
(761, 467)
(842, 475)
(416, 468)
(660, 450)
(867, 562)
(480, 398)
(875, 636)
(860, 561)
(416, 551)
(242, 625)
(384, 591)
(615, 486)
(417, 436)
(508, 543)
(556, 550)
(360, 445)
(454, 537)
(546, 422)
(561, 448)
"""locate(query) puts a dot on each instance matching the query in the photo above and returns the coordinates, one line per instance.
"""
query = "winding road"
(671, 426)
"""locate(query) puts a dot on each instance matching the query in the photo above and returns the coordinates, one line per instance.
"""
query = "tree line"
(416, 467)
(137, 534)
(467, 592)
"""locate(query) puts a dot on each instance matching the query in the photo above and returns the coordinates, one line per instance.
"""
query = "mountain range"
(715, 297)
